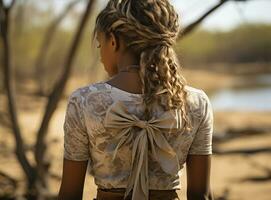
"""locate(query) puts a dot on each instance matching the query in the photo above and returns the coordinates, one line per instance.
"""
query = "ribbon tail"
(145, 175)
(138, 180)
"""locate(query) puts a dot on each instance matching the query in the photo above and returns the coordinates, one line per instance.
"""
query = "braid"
(150, 29)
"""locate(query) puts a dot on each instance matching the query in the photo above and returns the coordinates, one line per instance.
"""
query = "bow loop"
(151, 135)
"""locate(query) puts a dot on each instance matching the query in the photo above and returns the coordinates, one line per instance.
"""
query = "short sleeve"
(76, 142)
(202, 142)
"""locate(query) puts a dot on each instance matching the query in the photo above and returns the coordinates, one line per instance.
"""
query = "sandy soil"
(233, 176)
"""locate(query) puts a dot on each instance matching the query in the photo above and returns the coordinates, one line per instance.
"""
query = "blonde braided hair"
(149, 29)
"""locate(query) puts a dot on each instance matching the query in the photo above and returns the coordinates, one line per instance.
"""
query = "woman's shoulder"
(194, 90)
(90, 88)
(198, 93)
(82, 93)
(197, 98)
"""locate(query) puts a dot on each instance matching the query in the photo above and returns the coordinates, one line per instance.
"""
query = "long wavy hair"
(150, 29)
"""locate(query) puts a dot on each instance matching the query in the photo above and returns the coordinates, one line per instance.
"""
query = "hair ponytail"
(150, 29)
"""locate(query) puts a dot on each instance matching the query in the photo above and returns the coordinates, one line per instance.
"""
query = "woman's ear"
(114, 41)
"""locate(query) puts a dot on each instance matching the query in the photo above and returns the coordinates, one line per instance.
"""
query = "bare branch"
(57, 91)
(12, 4)
(193, 25)
(1, 4)
(198, 21)
(2, 14)
(47, 40)
(7, 8)
(8, 85)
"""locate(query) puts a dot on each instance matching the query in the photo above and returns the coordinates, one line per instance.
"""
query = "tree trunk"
(9, 87)
(54, 98)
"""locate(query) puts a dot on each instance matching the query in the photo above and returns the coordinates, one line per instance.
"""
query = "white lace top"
(86, 138)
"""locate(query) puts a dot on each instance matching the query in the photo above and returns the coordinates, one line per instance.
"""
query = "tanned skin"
(115, 57)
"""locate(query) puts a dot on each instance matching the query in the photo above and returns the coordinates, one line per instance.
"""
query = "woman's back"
(139, 142)
(87, 137)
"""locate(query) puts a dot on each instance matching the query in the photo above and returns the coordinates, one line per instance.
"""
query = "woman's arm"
(76, 155)
(198, 177)
(73, 179)
(198, 162)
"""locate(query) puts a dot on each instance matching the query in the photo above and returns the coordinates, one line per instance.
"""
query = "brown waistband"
(118, 194)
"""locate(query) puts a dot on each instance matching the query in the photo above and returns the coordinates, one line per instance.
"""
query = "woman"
(138, 129)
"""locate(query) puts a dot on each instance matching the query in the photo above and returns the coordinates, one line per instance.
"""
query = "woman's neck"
(128, 80)
(127, 59)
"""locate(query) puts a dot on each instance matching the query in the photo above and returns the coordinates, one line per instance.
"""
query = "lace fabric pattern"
(86, 138)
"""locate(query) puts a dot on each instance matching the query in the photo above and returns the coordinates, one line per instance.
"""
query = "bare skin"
(198, 169)
(73, 178)
(115, 57)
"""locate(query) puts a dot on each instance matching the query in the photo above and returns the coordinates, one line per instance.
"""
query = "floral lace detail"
(86, 138)
(98, 102)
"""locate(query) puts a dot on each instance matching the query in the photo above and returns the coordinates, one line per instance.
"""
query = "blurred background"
(46, 53)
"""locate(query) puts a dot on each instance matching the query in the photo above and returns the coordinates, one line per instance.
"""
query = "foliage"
(245, 43)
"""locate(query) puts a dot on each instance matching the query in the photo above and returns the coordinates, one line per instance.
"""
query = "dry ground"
(233, 176)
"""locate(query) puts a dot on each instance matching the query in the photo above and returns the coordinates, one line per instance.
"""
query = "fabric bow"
(150, 134)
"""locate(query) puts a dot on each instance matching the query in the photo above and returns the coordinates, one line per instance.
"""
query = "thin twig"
(47, 41)
(189, 28)
(58, 89)
(9, 87)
